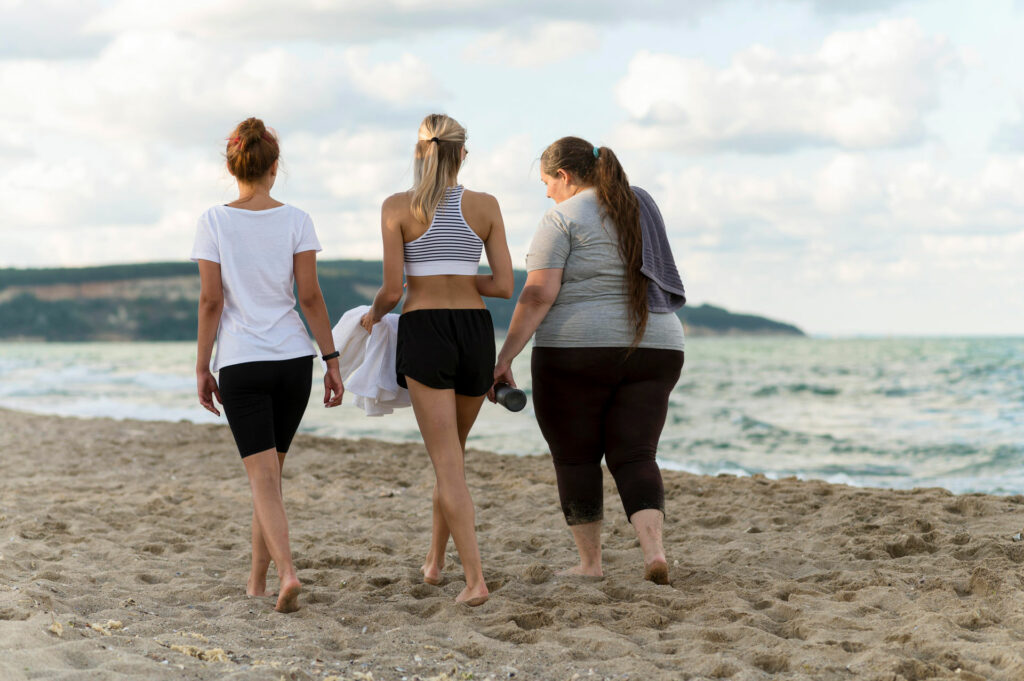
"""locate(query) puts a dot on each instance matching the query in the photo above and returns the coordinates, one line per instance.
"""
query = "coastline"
(142, 529)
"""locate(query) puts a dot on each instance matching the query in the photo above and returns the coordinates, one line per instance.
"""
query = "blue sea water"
(897, 413)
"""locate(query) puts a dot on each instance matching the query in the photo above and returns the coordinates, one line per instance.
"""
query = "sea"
(881, 412)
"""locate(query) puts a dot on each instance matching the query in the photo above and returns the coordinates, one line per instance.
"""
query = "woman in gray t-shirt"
(603, 364)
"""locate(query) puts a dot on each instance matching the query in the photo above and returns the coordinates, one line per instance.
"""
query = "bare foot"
(431, 573)
(473, 597)
(657, 572)
(579, 571)
(288, 601)
(256, 588)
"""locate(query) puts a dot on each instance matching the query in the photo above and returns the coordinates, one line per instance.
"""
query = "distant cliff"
(157, 301)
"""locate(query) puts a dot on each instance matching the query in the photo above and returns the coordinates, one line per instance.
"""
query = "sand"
(124, 549)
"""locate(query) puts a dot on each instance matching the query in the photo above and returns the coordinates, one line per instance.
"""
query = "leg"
(257, 583)
(435, 412)
(466, 411)
(647, 524)
(570, 394)
(588, 542)
(632, 429)
(289, 398)
(264, 470)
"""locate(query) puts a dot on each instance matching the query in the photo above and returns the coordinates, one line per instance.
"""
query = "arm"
(314, 309)
(394, 259)
(539, 294)
(500, 282)
(211, 304)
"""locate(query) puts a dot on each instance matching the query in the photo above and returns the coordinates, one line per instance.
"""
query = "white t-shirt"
(255, 249)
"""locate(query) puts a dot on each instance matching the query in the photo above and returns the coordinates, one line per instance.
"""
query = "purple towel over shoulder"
(665, 293)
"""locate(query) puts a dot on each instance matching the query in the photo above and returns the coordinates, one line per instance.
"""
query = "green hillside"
(157, 301)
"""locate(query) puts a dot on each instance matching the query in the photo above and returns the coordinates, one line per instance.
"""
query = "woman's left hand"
(367, 321)
(502, 374)
(207, 387)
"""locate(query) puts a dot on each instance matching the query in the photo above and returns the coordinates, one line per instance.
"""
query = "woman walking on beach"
(436, 232)
(250, 253)
(604, 358)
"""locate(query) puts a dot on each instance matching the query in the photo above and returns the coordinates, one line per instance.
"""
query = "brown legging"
(594, 402)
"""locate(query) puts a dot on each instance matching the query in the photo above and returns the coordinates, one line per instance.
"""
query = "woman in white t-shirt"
(251, 253)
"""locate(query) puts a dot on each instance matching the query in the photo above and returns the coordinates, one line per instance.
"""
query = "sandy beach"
(124, 549)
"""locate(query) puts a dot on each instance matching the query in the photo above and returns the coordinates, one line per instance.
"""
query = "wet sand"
(124, 549)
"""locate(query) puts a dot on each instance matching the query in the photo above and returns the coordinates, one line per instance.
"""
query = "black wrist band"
(331, 355)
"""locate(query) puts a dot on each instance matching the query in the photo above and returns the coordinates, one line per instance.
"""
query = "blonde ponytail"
(436, 163)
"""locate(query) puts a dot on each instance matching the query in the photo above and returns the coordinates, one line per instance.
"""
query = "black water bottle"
(511, 398)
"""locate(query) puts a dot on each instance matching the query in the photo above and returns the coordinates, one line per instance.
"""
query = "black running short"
(447, 349)
(265, 401)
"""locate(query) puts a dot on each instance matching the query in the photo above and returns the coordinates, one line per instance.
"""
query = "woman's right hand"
(334, 389)
(502, 374)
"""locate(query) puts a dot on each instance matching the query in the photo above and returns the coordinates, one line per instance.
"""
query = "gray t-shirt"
(592, 308)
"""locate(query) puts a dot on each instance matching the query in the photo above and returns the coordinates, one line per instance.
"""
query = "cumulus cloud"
(129, 142)
(921, 243)
(170, 88)
(363, 20)
(1009, 138)
(407, 79)
(849, 198)
(48, 28)
(76, 28)
(542, 44)
(860, 90)
(853, 6)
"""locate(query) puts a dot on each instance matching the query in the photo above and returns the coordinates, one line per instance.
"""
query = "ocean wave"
(796, 389)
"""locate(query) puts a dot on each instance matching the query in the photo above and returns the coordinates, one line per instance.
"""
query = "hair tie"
(434, 139)
(596, 152)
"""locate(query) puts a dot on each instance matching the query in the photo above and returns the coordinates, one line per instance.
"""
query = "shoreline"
(142, 529)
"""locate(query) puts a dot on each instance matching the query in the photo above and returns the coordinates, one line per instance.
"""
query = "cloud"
(59, 29)
(368, 20)
(860, 90)
(532, 47)
(1009, 138)
(48, 28)
(126, 146)
(849, 201)
(853, 6)
(171, 89)
(405, 80)
(921, 245)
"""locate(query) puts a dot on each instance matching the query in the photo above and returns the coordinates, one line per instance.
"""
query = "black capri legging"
(594, 402)
(264, 402)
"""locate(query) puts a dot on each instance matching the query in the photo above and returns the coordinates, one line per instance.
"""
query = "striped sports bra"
(449, 246)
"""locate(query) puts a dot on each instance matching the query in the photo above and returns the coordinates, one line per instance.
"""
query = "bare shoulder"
(397, 203)
(481, 200)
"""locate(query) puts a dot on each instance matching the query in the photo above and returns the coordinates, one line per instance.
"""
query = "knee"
(635, 458)
(265, 476)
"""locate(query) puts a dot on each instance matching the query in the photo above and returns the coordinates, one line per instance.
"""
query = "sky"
(852, 167)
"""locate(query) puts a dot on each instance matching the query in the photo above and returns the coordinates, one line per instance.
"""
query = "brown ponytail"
(600, 167)
(252, 150)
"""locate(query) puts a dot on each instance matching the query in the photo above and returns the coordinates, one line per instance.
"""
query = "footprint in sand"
(771, 663)
(11, 614)
(532, 620)
(423, 610)
(147, 578)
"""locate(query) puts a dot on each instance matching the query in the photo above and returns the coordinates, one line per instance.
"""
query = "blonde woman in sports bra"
(434, 234)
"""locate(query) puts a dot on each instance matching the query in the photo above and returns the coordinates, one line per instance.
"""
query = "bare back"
(445, 291)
